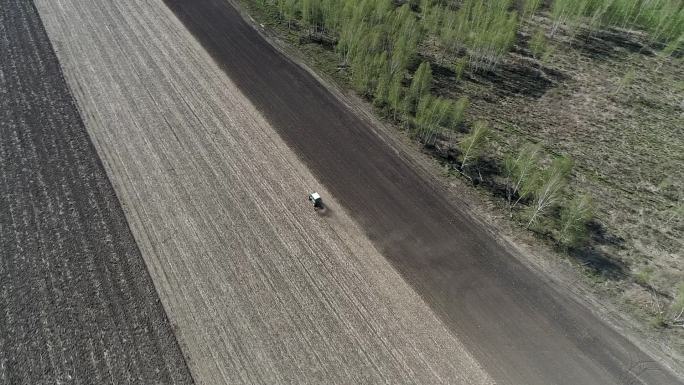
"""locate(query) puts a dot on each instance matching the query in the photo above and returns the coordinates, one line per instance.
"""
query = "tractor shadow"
(325, 211)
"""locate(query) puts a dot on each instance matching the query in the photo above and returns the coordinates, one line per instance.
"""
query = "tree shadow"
(441, 71)
(599, 262)
(484, 173)
(445, 83)
(320, 38)
(508, 78)
(599, 235)
(609, 44)
(443, 150)
(488, 173)
(519, 78)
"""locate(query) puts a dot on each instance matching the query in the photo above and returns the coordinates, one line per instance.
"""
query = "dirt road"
(77, 305)
(261, 289)
(519, 327)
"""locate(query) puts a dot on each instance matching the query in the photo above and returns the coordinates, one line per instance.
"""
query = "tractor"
(315, 199)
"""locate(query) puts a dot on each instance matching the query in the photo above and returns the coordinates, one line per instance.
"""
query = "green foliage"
(663, 19)
(435, 114)
(459, 67)
(377, 41)
(382, 88)
(573, 221)
(567, 12)
(522, 171)
(431, 17)
(458, 109)
(549, 51)
(485, 28)
(643, 277)
(402, 22)
(659, 320)
(420, 86)
(331, 14)
(311, 13)
(395, 94)
(472, 145)
(673, 46)
(432, 115)
(361, 68)
(525, 177)
(626, 80)
(538, 44)
(404, 49)
(550, 187)
(288, 10)
(530, 7)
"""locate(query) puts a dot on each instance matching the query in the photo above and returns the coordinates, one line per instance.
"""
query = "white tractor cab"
(316, 200)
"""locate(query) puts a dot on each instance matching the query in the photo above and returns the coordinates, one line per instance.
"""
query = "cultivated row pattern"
(520, 328)
(77, 304)
(262, 289)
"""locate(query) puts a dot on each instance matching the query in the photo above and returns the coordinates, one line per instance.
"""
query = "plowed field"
(521, 328)
(262, 289)
(77, 305)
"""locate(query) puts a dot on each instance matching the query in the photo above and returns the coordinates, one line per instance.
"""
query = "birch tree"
(538, 44)
(311, 14)
(459, 67)
(549, 192)
(420, 86)
(530, 7)
(395, 94)
(288, 11)
(432, 114)
(521, 171)
(458, 111)
(471, 145)
(384, 84)
(573, 220)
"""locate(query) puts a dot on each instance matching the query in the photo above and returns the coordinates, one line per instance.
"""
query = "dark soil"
(77, 305)
(521, 329)
(608, 44)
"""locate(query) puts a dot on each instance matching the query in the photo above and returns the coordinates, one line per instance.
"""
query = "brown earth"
(520, 328)
(260, 289)
(77, 305)
(631, 286)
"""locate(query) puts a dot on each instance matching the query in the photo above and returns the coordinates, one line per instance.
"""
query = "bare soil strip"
(260, 288)
(77, 305)
(520, 328)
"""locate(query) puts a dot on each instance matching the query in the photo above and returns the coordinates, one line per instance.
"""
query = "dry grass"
(606, 99)
(611, 103)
